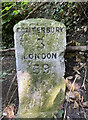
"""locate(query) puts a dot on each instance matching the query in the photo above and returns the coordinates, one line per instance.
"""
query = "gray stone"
(39, 47)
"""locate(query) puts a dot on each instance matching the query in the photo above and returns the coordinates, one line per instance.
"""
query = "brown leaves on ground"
(76, 86)
(76, 105)
(73, 94)
(9, 112)
(85, 104)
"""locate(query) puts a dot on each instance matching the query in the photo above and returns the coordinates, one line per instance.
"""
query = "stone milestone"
(39, 48)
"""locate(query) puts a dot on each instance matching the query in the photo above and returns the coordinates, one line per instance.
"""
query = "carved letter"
(31, 56)
(43, 55)
(54, 55)
(48, 55)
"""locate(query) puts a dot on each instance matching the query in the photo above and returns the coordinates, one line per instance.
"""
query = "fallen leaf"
(77, 95)
(85, 104)
(71, 100)
(78, 58)
(69, 77)
(77, 86)
(1, 80)
(70, 95)
(73, 87)
(82, 99)
(69, 85)
(76, 69)
(60, 113)
(61, 106)
(69, 107)
(9, 111)
(55, 117)
(76, 105)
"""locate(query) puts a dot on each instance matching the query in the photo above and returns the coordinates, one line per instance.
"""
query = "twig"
(7, 50)
(65, 112)
(12, 95)
(10, 89)
(79, 35)
(68, 48)
(83, 65)
(69, 95)
(37, 7)
(83, 85)
(1, 117)
(83, 9)
(77, 48)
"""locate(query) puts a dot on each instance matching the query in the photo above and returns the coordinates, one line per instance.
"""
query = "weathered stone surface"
(39, 48)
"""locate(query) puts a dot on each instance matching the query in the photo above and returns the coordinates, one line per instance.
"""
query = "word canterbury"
(41, 29)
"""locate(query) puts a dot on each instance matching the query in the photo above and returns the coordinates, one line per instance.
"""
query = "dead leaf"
(61, 106)
(78, 58)
(73, 87)
(77, 95)
(77, 86)
(70, 95)
(85, 104)
(76, 105)
(71, 43)
(69, 107)
(55, 117)
(69, 77)
(71, 100)
(76, 68)
(9, 111)
(82, 99)
(69, 85)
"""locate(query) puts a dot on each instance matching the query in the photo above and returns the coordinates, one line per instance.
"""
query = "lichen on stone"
(41, 83)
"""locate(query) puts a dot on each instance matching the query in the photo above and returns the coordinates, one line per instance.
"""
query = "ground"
(76, 101)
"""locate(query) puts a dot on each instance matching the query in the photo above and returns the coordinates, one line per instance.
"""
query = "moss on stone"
(44, 91)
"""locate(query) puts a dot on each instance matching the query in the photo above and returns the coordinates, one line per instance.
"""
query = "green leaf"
(67, 18)
(5, 21)
(4, 15)
(16, 12)
(7, 8)
(75, 14)
(1, 80)
(61, 10)
(67, 28)
(0, 72)
(68, 23)
(25, 3)
(4, 74)
(60, 113)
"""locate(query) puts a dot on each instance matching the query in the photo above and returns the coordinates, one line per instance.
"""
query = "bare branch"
(37, 7)
(68, 48)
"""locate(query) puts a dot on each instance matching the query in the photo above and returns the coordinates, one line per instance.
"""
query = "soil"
(9, 67)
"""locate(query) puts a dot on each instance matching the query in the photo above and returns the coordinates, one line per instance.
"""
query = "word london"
(41, 56)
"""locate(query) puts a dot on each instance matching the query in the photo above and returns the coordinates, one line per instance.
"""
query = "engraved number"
(41, 46)
(37, 68)
(46, 68)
